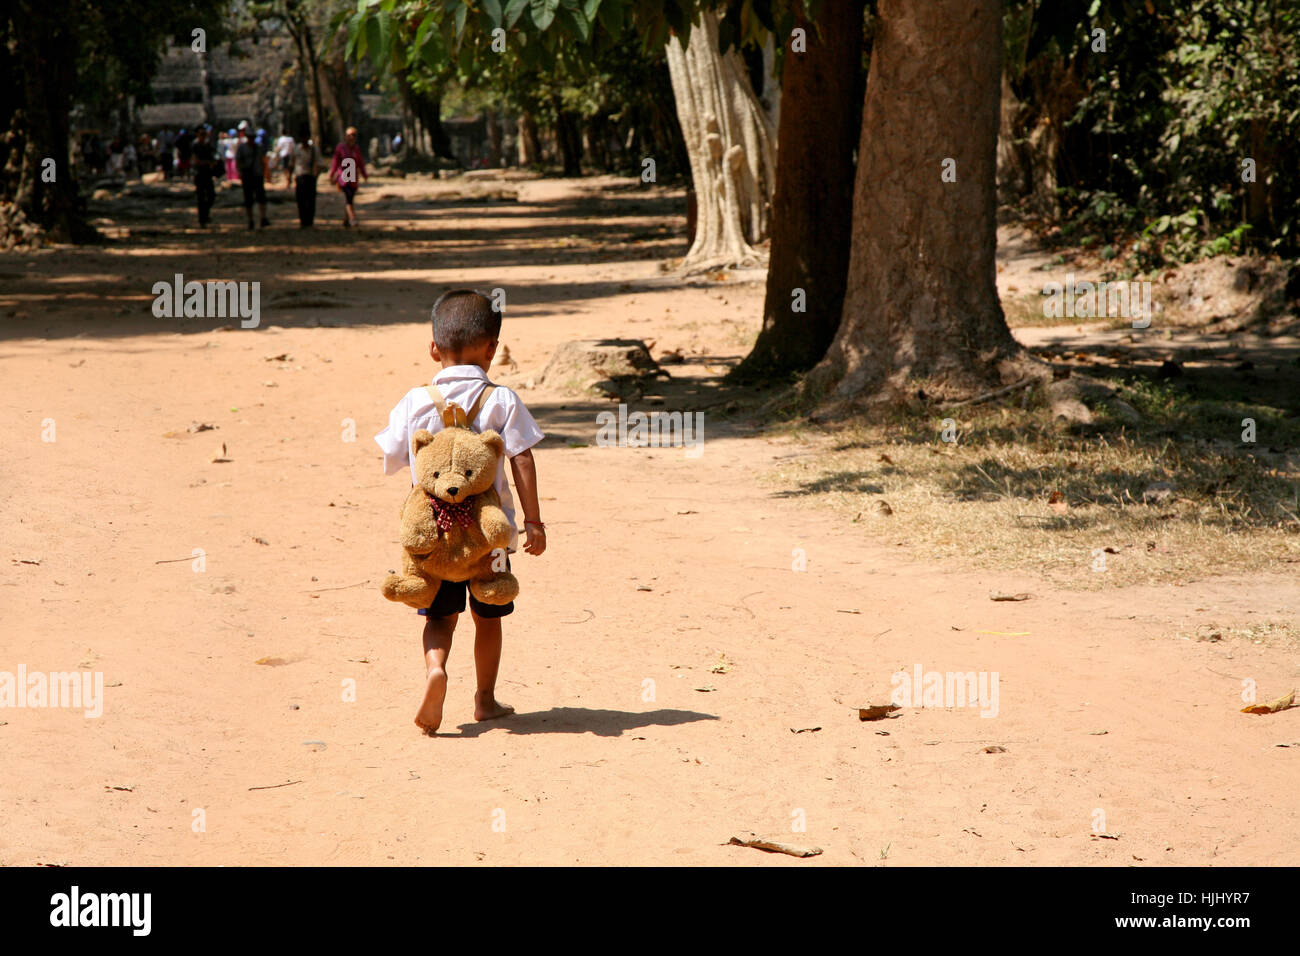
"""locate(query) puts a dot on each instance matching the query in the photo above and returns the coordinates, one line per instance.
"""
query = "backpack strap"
(442, 405)
(478, 402)
(439, 402)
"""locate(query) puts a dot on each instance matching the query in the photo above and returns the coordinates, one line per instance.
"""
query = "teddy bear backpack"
(462, 538)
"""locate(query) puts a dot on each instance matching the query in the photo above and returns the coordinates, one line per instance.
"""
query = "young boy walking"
(466, 331)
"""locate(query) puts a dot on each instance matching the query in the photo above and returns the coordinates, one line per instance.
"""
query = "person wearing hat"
(249, 161)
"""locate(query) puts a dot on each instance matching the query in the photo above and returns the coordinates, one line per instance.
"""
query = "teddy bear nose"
(452, 491)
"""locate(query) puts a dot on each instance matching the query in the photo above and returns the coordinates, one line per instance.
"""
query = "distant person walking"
(205, 167)
(347, 165)
(166, 143)
(249, 162)
(307, 163)
(232, 144)
(284, 152)
(184, 150)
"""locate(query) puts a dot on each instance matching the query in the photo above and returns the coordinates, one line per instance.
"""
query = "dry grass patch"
(1176, 498)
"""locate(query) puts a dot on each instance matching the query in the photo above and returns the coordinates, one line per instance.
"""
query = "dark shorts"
(349, 192)
(254, 190)
(450, 600)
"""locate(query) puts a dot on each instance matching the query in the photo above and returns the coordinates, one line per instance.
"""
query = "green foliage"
(1153, 131)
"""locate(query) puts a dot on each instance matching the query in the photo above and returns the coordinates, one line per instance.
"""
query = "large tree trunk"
(811, 225)
(45, 45)
(921, 304)
(424, 121)
(729, 141)
(336, 90)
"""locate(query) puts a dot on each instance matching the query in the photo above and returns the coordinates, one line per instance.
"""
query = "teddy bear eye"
(468, 472)
(435, 474)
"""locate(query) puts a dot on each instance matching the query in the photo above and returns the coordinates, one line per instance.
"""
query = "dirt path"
(661, 568)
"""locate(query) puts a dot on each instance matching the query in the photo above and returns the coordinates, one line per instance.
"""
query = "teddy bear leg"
(410, 586)
(412, 591)
(499, 587)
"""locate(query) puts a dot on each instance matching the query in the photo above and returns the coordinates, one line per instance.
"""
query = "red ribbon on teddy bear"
(445, 512)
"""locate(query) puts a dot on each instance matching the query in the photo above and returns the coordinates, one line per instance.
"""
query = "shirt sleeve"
(519, 429)
(395, 440)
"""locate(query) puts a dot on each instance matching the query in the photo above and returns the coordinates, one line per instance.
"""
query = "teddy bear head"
(456, 463)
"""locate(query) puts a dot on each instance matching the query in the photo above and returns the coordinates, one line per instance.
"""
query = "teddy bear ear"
(493, 441)
(419, 440)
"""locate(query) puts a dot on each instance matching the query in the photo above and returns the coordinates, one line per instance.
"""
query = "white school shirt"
(503, 413)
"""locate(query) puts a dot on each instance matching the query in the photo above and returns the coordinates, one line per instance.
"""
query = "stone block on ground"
(588, 363)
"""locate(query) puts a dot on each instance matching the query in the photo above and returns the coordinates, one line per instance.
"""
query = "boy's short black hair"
(463, 318)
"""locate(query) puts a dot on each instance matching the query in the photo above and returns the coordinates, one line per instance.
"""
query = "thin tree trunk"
(770, 96)
(494, 138)
(921, 304)
(569, 139)
(811, 224)
(729, 142)
(205, 85)
(530, 146)
(300, 30)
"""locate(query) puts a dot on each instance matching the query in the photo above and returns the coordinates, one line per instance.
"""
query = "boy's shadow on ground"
(581, 720)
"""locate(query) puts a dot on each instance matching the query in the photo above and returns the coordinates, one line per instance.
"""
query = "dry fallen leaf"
(1056, 501)
(221, 455)
(999, 596)
(1273, 706)
(995, 749)
(883, 508)
(877, 712)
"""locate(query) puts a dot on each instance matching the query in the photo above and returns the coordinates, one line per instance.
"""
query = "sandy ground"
(663, 649)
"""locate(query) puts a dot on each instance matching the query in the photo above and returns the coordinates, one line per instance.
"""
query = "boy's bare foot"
(429, 717)
(489, 708)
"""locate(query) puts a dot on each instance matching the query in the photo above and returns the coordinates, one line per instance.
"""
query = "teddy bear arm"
(419, 532)
(492, 520)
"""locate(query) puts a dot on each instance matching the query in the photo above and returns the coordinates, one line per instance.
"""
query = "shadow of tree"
(849, 481)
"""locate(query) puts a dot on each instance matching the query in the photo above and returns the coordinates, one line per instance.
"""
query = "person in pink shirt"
(347, 165)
